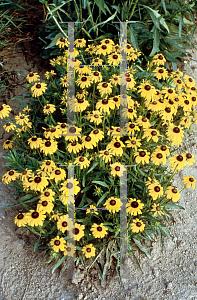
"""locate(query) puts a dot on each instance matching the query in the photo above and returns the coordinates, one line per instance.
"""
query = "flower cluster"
(158, 108)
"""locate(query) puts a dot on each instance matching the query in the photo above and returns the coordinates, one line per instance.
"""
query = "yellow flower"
(80, 43)
(58, 174)
(92, 210)
(8, 144)
(32, 77)
(142, 156)
(177, 161)
(20, 219)
(189, 181)
(9, 126)
(39, 183)
(48, 147)
(4, 111)
(49, 108)
(78, 231)
(58, 243)
(35, 218)
(155, 190)
(34, 142)
(82, 161)
(62, 42)
(113, 205)
(62, 223)
(104, 88)
(88, 250)
(134, 206)
(172, 193)
(105, 105)
(98, 231)
(9, 176)
(157, 210)
(137, 226)
(38, 89)
(45, 206)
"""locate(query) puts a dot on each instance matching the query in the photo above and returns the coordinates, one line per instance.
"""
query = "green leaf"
(102, 198)
(102, 183)
(53, 42)
(173, 206)
(102, 23)
(164, 6)
(84, 181)
(100, 4)
(36, 244)
(26, 197)
(133, 37)
(154, 16)
(92, 167)
(180, 25)
(142, 247)
(165, 231)
(86, 189)
(58, 263)
(156, 41)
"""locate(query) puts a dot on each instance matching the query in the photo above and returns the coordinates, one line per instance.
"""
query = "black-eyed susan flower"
(172, 193)
(132, 127)
(9, 127)
(62, 223)
(146, 90)
(81, 43)
(133, 143)
(49, 74)
(159, 59)
(9, 176)
(142, 156)
(155, 190)
(39, 183)
(166, 114)
(69, 249)
(78, 231)
(20, 219)
(88, 250)
(168, 93)
(45, 206)
(82, 161)
(27, 181)
(81, 104)
(51, 133)
(67, 185)
(35, 218)
(114, 59)
(160, 73)
(32, 77)
(62, 42)
(4, 111)
(113, 204)
(177, 161)
(131, 113)
(98, 231)
(74, 147)
(82, 69)
(143, 121)
(70, 137)
(54, 216)
(97, 76)
(34, 142)
(90, 49)
(57, 243)
(97, 134)
(115, 146)
(106, 155)
(48, 165)
(105, 105)
(92, 210)
(134, 207)
(21, 119)
(113, 131)
(96, 117)
(189, 81)
(97, 61)
(189, 181)
(84, 81)
(89, 142)
(25, 174)
(105, 88)
(189, 158)
(115, 80)
(151, 181)
(104, 49)
(38, 89)
(8, 144)
(116, 169)
(137, 225)
(163, 149)
(48, 195)
(175, 134)
(58, 174)
(49, 108)
(157, 209)
(158, 158)
(151, 133)
(116, 48)
(48, 147)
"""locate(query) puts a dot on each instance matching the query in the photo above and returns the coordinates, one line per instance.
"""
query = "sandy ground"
(171, 275)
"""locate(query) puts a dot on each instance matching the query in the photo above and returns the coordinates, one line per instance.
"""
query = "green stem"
(136, 174)
(182, 189)
(54, 18)
(132, 12)
(90, 13)
(171, 177)
(53, 119)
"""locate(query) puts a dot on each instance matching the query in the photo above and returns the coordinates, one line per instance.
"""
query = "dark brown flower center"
(158, 208)
(147, 87)
(188, 155)
(57, 172)
(22, 117)
(31, 74)
(144, 119)
(69, 185)
(99, 228)
(47, 107)
(88, 139)
(37, 179)
(81, 159)
(35, 215)
(53, 129)
(157, 189)
(38, 86)
(168, 109)
(176, 99)
(161, 101)
(186, 102)
(104, 101)
(154, 102)
(142, 153)
(163, 148)
(83, 78)
(190, 79)
(115, 56)
(138, 224)
(159, 155)
(34, 139)
(76, 231)
(132, 125)
(95, 131)
(57, 243)
(47, 194)
(72, 129)
(179, 81)
(104, 85)
(153, 132)
(134, 204)
(104, 47)
(11, 173)
(130, 110)
(170, 91)
(73, 144)
(96, 116)
(106, 152)
(88, 249)
(113, 202)
(191, 179)
(64, 224)
(170, 102)
(63, 125)
(7, 124)
(44, 203)
(20, 216)
(133, 142)
(176, 130)
(179, 158)
(48, 163)
(62, 40)
(160, 57)
(174, 191)
(193, 98)
(117, 168)
(80, 100)
(24, 172)
(48, 144)
(117, 144)
(161, 70)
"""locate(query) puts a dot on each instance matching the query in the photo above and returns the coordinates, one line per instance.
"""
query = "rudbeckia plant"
(43, 146)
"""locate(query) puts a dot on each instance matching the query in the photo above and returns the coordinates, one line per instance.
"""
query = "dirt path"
(171, 275)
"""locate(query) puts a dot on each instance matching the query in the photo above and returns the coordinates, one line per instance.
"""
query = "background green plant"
(164, 26)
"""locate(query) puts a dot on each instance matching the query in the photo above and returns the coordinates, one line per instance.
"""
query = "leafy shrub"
(161, 107)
